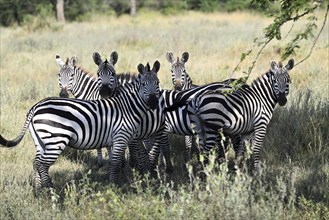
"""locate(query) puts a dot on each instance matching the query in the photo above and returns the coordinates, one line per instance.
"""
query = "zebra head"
(65, 74)
(107, 80)
(281, 80)
(149, 84)
(178, 72)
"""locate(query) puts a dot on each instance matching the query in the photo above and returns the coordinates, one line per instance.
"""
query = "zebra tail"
(13, 143)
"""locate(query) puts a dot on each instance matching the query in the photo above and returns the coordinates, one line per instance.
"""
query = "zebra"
(78, 82)
(172, 122)
(55, 123)
(181, 81)
(176, 122)
(180, 78)
(75, 80)
(245, 111)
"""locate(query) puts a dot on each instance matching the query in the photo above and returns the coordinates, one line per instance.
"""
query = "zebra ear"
(97, 58)
(170, 57)
(74, 60)
(156, 67)
(290, 64)
(274, 66)
(185, 57)
(59, 61)
(114, 57)
(141, 68)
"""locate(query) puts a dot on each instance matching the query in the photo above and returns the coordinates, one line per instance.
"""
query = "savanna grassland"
(293, 182)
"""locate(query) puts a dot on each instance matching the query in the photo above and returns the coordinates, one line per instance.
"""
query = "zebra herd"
(120, 111)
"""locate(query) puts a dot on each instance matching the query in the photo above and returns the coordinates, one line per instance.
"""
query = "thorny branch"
(269, 37)
(316, 38)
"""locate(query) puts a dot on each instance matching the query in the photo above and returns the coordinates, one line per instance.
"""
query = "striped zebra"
(75, 80)
(245, 111)
(176, 121)
(55, 123)
(80, 84)
(180, 78)
(181, 81)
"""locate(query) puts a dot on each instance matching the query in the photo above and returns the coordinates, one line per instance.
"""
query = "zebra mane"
(124, 78)
(262, 77)
(190, 79)
(84, 71)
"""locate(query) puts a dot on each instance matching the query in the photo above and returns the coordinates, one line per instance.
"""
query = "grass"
(293, 182)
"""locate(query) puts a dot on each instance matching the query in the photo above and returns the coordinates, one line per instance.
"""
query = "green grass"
(294, 179)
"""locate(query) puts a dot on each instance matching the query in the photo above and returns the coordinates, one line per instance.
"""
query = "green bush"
(42, 21)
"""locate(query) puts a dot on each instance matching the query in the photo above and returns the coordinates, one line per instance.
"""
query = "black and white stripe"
(245, 111)
(78, 82)
(55, 123)
(75, 80)
(181, 81)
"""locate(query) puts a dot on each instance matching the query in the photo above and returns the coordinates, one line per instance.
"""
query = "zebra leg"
(153, 154)
(118, 153)
(257, 144)
(37, 178)
(109, 152)
(238, 146)
(133, 154)
(222, 143)
(41, 175)
(211, 139)
(148, 144)
(188, 145)
(165, 147)
(46, 155)
(99, 158)
(142, 157)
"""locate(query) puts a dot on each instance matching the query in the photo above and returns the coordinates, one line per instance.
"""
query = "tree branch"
(316, 38)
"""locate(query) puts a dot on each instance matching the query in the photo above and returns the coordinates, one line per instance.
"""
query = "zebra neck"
(84, 86)
(133, 92)
(263, 88)
(188, 82)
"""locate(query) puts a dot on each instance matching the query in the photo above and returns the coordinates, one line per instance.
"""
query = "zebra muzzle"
(282, 99)
(153, 101)
(105, 92)
(63, 93)
(178, 87)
